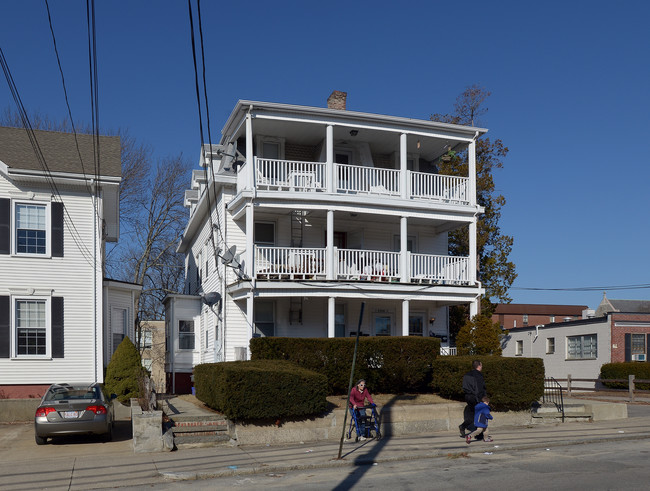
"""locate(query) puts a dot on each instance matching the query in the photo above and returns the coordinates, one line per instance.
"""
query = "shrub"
(640, 371)
(124, 372)
(511, 383)
(393, 364)
(260, 389)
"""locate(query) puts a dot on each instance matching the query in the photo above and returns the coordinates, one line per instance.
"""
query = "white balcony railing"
(275, 263)
(289, 175)
(453, 270)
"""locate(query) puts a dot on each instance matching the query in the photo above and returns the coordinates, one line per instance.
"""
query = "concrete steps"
(196, 430)
(548, 413)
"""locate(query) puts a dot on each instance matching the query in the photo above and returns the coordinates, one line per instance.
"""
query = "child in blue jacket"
(481, 416)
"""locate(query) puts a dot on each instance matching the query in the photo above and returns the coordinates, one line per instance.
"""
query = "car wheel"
(40, 440)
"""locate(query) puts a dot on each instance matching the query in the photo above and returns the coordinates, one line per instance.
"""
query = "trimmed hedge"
(640, 371)
(391, 365)
(512, 383)
(260, 389)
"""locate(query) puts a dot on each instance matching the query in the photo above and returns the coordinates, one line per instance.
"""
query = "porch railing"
(427, 268)
(302, 176)
(276, 263)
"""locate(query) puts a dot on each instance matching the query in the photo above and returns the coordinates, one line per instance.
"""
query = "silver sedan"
(77, 409)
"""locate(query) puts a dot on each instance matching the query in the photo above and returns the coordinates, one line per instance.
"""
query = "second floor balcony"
(312, 177)
(291, 263)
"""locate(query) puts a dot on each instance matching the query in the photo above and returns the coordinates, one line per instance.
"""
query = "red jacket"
(357, 398)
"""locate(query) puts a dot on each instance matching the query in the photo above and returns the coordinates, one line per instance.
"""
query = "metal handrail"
(553, 392)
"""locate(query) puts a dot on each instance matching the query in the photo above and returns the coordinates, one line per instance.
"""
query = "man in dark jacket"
(474, 389)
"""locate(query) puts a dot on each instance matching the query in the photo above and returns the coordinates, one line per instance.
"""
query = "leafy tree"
(479, 336)
(124, 372)
(495, 271)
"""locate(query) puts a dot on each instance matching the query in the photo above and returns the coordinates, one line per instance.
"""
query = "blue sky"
(570, 85)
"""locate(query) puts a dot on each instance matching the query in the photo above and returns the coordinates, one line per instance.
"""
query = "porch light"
(354, 132)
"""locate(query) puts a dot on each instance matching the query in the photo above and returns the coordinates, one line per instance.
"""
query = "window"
(551, 319)
(550, 346)
(185, 334)
(147, 338)
(525, 319)
(147, 363)
(265, 233)
(383, 324)
(638, 344)
(582, 347)
(31, 227)
(119, 318)
(519, 348)
(339, 320)
(269, 147)
(31, 327)
(410, 243)
(264, 318)
(416, 325)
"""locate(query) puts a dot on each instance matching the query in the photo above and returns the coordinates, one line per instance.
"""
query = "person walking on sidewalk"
(358, 395)
(481, 416)
(474, 389)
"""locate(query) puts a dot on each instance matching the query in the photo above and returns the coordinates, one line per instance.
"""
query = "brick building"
(515, 315)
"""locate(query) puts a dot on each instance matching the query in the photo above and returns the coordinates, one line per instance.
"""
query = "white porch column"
(473, 250)
(473, 307)
(471, 161)
(403, 250)
(331, 260)
(250, 245)
(249, 150)
(329, 146)
(250, 322)
(404, 192)
(331, 311)
(405, 317)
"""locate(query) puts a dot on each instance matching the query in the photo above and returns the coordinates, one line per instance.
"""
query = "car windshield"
(70, 392)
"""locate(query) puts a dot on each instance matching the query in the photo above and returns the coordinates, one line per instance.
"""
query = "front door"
(383, 323)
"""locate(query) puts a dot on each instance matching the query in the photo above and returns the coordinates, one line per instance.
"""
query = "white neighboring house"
(300, 214)
(55, 217)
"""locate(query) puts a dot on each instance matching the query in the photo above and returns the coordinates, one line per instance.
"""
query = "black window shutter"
(5, 326)
(57, 327)
(5, 226)
(647, 345)
(57, 229)
(628, 346)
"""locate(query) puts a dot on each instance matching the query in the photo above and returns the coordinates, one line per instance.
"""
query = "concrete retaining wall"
(395, 420)
(147, 429)
(18, 410)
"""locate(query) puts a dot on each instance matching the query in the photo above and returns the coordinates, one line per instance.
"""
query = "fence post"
(630, 386)
(568, 385)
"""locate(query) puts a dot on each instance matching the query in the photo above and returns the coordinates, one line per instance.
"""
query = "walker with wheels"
(366, 425)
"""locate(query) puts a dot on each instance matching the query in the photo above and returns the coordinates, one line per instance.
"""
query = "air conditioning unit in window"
(638, 357)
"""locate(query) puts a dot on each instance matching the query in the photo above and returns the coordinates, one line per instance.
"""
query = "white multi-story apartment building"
(301, 214)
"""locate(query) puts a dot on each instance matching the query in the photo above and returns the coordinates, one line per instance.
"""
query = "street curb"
(274, 468)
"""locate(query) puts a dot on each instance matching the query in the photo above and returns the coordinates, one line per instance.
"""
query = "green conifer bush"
(124, 371)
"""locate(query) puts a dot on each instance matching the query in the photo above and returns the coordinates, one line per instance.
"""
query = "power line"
(586, 288)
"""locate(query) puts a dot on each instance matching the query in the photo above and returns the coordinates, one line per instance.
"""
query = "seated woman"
(358, 395)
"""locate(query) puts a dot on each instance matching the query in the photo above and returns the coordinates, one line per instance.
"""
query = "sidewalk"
(93, 465)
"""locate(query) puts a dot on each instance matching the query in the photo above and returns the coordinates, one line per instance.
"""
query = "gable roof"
(60, 152)
(607, 305)
(539, 309)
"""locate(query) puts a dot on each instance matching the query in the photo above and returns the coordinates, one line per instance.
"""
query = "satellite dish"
(228, 256)
(211, 298)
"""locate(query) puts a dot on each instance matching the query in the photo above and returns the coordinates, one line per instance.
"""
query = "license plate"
(70, 414)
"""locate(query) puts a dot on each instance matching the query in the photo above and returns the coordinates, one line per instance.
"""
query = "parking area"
(17, 443)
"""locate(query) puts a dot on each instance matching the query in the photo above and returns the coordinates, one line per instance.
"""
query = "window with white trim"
(638, 344)
(264, 233)
(147, 338)
(525, 320)
(550, 346)
(582, 347)
(32, 327)
(185, 334)
(519, 348)
(31, 224)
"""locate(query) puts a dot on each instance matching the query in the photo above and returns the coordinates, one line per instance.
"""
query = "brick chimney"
(337, 100)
